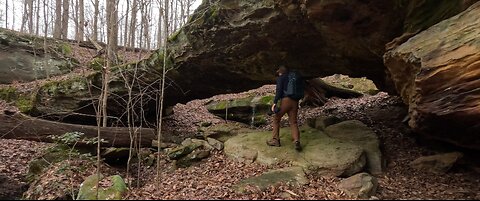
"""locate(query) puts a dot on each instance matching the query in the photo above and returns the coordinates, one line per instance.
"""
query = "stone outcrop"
(359, 186)
(240, 43)
(360, 134)
(251, 110)
(439, 163)
(320, 152)
(293, 176)
(437, 73)
(192, 150)
(23, 57)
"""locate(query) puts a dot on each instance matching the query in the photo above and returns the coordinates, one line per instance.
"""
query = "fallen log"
(15, 125)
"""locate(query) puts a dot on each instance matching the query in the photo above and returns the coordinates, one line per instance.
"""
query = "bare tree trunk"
(66, 4)
(37, 16)
(30, 16)
(102, 26)
(80, 21)
(45, 29)
(6, 14)
(45, 26)
(133, 23)
(142, 24)
(182, 12)
(171, 28)
(74, 7)
(159, 30)
(175, 20)
(162, 88)
(149, 20)
(13, 17)
(57, 30)
(95, 20)
(145, 23)
(24, 16)
(189, 3)
(112, 16)
(125, 33)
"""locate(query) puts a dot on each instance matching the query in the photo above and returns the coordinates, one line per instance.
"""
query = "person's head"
(282, 70)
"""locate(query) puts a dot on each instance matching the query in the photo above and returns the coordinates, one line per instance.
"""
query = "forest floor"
(213, 177)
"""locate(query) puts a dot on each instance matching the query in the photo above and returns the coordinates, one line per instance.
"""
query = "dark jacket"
(282, 84)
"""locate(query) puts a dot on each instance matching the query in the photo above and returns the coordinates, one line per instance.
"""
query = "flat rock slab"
(292, 176)
(320, 152)
(439, 163)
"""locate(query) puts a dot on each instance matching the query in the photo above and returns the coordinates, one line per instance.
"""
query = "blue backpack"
(295, 87)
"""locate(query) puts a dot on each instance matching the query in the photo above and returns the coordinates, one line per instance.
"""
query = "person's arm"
(279, 90)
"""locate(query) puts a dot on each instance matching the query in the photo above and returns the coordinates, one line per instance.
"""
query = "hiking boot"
(273, 142)
(298, 147)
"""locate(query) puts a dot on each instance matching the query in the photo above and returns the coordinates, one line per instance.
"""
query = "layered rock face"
(23, 59)
(241, 43)
(437, 73)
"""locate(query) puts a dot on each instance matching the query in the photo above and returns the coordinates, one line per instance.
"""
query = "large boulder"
(320, 152)
(437, 73)
(114, 191)
(360, 134)
(238, 45)
(23, 58)
(439, 163)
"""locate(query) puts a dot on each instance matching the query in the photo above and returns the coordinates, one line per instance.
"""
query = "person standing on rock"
(289, 91)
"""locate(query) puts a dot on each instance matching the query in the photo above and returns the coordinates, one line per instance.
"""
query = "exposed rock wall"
(437, 73)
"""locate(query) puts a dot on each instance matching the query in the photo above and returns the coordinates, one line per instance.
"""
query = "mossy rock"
(97, 63)
(113, 192)
(249, 110)
(293, 176)
(361, 85)
(322, 122)
(65, 48)
(320, 152)
(193, 157)
(359, 186)
(52, 155)
(24, 101)
(23, 58)
(358, 133)
(223, 132)
(59, 180)
(65, 95)
(205, 124)
(182, 150)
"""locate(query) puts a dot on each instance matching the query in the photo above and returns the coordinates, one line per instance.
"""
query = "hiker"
(288, 104)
